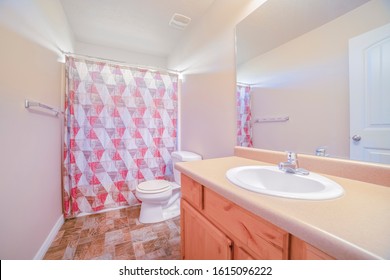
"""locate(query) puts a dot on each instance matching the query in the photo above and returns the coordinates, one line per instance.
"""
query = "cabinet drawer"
(262, 238)
(191, 191)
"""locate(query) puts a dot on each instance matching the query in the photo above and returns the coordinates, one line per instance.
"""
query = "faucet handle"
(291, 157)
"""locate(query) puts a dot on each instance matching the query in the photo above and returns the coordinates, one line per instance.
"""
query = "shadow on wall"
(45, 25)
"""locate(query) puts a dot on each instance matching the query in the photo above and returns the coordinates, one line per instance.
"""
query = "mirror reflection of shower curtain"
(244, 125)
(120, 130)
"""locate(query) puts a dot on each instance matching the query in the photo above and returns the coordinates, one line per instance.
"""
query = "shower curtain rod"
(243, 84)
(123, 63)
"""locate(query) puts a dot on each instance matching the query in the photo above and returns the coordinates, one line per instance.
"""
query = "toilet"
(161, 198)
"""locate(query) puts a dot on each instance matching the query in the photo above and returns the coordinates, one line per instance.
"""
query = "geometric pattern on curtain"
(120, 130)
(244, 115)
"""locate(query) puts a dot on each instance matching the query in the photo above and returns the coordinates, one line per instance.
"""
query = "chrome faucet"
(292, 165)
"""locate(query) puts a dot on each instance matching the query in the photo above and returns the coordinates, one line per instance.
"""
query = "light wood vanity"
(213, 227)
(222, 221)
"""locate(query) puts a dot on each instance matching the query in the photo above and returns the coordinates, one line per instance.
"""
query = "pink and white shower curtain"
(244, 126)
(120, 130)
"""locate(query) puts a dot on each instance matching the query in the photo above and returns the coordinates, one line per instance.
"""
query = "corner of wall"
(49, 239)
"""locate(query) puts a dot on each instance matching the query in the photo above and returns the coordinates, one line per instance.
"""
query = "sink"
(272, 181)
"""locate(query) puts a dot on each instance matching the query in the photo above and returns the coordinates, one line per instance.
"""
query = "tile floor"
(116, 234)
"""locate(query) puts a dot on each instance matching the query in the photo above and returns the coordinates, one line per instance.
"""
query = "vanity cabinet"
(213, 227)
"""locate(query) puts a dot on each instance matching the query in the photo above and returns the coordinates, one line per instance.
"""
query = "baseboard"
(49, 239)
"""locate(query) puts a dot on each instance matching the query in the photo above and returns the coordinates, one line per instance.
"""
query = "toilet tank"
(180, 156)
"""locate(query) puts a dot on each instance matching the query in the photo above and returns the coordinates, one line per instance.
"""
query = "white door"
(369, 84)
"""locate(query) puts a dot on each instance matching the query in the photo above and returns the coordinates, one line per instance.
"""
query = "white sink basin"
(272, 181)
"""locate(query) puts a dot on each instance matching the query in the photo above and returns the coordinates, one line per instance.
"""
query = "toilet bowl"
(160, 198)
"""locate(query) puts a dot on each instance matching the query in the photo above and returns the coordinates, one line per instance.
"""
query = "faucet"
(292, 165)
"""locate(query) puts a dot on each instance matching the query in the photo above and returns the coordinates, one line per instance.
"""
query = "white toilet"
(161, 198)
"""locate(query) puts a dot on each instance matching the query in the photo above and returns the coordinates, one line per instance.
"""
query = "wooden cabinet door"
(241, 254)
(300, 250)
(201, 240)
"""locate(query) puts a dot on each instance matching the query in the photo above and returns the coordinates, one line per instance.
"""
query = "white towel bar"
(29, 103)
(271, 119)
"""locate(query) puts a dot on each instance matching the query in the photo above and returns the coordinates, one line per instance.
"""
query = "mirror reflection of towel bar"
(271, 119)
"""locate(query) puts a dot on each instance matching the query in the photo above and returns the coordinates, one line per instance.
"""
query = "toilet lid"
(154, 186)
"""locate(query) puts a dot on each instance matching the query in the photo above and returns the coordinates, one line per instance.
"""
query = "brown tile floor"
(116, 234)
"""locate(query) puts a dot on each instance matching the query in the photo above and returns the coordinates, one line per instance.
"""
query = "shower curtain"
(244, 126)
(120, 130)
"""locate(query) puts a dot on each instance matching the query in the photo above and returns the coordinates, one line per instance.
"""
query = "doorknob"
(356, 138)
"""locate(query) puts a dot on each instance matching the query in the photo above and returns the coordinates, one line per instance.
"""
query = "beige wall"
(307, 80)
(30, 161)
(207, 58)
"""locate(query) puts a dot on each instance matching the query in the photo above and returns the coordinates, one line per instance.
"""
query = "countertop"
(354, 226)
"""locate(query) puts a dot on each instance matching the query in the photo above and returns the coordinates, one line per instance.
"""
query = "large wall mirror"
(308, 94)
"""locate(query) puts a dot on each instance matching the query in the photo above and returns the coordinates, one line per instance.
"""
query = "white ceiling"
(139, 26)
(278, 21)
(142, 26)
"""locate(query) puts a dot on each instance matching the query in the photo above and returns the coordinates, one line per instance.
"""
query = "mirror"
(294, 55)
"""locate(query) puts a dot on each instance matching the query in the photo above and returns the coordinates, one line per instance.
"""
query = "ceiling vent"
(179, 21)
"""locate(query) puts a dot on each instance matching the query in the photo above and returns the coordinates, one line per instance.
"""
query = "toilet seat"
(154, 186)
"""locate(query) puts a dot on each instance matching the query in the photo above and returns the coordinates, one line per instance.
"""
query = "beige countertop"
(354, 226)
